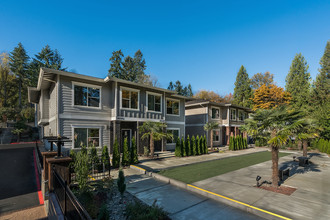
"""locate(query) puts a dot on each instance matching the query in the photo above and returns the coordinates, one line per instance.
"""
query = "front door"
(126, 133)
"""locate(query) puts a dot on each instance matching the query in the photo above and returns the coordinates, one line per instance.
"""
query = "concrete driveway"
(18, 188)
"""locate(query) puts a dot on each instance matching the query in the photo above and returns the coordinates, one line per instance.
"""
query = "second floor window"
(215, 113)
(86, 96)
(172, 107)
(232, 114)
(241, 116)
(129, 99)
(154, 103)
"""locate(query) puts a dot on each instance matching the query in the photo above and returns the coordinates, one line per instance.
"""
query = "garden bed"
(286, 190)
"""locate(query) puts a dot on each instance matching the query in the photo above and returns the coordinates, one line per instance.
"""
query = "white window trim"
(174, 141)
(232, 109)
(86, 126)
(177, 100)
(131, 90)
(88, 86)
(211, 112)
(161, 101)
(219, 135)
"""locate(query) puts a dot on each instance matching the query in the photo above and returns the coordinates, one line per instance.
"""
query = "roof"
(199, 102)
(47, 76)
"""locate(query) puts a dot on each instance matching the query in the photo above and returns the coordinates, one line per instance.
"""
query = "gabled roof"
(199, 102)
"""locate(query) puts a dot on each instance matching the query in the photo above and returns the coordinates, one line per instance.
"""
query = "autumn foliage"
(268, 97)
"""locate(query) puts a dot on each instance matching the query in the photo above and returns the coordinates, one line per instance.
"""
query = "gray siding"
(181, 131)
(53, 100)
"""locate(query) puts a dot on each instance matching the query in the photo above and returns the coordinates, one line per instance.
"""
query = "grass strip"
(200, 171)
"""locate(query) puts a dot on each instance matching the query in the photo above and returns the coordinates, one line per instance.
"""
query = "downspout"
(58, 105)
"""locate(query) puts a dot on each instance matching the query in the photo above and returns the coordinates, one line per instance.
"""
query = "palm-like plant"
(154, 130)
(276, 125)
(18, 131)
(210, 126)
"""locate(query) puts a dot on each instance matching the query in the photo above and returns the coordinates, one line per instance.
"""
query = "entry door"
(126, 133)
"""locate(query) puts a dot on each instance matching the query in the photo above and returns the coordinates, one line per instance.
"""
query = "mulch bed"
(286, 190)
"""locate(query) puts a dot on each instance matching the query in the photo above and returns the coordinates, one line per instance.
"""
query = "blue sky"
(199, 42)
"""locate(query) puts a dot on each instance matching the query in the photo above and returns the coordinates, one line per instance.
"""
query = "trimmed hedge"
(191, 146)
(323, 145)
(237, 143)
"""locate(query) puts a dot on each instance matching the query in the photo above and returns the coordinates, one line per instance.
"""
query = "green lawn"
(200, 171)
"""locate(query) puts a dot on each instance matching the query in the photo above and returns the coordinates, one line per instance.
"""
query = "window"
(129, 99)
(216, 135)
(241, 116)
(86, 96)
(215, 113)
(232, 114)
(86, 137)
(172, 107)
(246, 115)
(154, 102)
(175, 133)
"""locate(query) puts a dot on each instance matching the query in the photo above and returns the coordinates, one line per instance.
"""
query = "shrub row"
(237, 143)
(129, 156)
(323, 145)
(191, 147)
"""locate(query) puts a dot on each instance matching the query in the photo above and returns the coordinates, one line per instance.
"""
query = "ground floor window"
(175, 133)
(216, 135)
(86, 137)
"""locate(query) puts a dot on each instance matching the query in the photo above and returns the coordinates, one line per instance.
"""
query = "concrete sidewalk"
(179, 203)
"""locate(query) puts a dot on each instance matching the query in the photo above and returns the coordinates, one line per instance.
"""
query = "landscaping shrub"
(198, 147)
(141, 211)
(81, 170)
(93, 158)
(193, 141)
(105, 158)
(146, 151)
(188, 147)
(115, 155)
(104, 213)
(83, 149)
(73, 156)
(121, 182)
(125, 157)
(178, 148)
(183, 147)
(206, 149)
(201, 147)
(134, 155)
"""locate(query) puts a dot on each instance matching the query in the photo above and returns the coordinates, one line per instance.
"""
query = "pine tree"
(188, 147)
(206, 151)
(194, 146)
(139, 64)
(189, 91)
(178, 147)
(320, 97)
(125, 157)
(298, 83)
(19, 61)
(242, 91)
(116, 69)
(134, 156)
(115, 155)
(183, 147)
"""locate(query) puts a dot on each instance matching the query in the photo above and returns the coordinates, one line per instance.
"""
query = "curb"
(214, 196)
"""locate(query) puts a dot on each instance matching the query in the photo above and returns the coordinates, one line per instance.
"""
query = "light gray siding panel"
(45, 104)
(53, 100)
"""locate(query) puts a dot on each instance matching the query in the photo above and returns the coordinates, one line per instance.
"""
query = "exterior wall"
(181, 128)
(224, 115)
(66, 96)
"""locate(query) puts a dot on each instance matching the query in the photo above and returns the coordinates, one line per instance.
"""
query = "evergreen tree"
(242, 90)
(259, 79)
(8, 91)
(189, 91)
(201, 143)
(194, 146)
(94, 159)
(298, 83)
(134, 155)
(198, 147)
(139, 64)
(188, 148)
(320, 98)
(116, 69)
(129, 69)
(125, 157)
(178, 87)
(183, 147)
(105, 158)
(45, 58)
(178, 148)
(170, 86)
(115, 155)
(121, 182)
(19, 61)
(206, 150)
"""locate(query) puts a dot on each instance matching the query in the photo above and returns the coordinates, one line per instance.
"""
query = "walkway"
(179, 203)
(18, 188)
